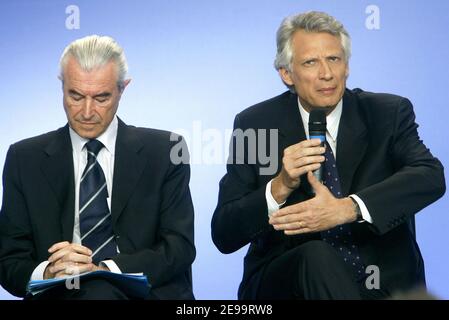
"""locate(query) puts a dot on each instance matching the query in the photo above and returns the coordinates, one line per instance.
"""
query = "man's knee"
(317, 252)
(317, 258)
(323, 274)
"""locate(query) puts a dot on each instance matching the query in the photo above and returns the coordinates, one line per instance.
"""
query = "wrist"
(349, 209)
(102, 267)
(279, 191)
(356, 210)
(47, 274)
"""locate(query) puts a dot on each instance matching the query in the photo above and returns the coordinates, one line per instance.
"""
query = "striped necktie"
(94, 214)
(340, 237)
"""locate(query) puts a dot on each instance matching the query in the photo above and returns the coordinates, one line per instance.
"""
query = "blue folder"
(133, 285)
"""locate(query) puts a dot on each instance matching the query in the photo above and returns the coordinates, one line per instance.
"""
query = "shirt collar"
(332, 119)
(107, 138)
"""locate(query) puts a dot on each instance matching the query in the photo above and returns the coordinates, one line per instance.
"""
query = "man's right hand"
(298, 159)
(68, 259)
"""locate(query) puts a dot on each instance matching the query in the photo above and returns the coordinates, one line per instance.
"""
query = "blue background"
(207, 60)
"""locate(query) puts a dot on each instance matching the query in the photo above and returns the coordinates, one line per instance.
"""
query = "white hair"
(312, 21)
(94, 51)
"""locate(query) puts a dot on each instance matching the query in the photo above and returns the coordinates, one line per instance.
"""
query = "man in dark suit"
(352, 237)
(96, 194)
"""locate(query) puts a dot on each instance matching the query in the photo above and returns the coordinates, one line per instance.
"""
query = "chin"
(86, 134)
(323, 105)
(328, 103)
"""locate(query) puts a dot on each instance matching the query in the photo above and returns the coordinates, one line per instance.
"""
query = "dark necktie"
(340, 236)
(94, 214)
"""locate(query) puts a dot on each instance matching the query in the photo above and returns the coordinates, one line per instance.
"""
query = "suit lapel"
(352, 141)
(58, 170)
(128, 167)
(291, 131)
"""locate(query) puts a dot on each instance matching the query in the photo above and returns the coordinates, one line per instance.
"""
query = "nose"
(325, 71)
(88, 108)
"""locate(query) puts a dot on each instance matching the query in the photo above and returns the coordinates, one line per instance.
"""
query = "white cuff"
(365, 213)
(272, 205)
(111, 265)
(38, 273)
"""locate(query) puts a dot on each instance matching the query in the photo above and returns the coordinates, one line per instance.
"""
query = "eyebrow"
(335, 54)
(103, 95)
(100, 95)
(71, 91)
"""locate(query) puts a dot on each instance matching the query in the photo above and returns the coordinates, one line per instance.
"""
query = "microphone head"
(317, 120)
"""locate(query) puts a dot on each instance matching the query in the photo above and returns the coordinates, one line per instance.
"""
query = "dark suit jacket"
(151, 207)
(380, 158)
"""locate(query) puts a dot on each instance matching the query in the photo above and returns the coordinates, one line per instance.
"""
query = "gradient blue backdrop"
(207, 60)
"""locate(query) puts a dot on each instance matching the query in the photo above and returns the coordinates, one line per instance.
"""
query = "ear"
(347, 71)
(285, 76)
(125, 84)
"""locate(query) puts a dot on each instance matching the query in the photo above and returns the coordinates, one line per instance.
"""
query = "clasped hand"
(69, 259)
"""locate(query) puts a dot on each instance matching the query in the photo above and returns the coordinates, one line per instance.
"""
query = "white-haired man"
(315, 241)
(96, 194)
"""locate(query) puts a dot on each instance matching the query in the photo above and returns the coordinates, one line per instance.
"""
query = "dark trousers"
(311, 271)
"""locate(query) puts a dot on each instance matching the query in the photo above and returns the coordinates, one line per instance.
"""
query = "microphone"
(317, 130)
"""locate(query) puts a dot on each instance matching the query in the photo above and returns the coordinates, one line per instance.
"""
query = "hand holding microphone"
(302, 157)
(322, 212)
(317, 130)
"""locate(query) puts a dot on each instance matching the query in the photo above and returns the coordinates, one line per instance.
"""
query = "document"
(132, 284)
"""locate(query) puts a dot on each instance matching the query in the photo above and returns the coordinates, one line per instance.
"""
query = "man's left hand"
(75, 269)
(323, 212)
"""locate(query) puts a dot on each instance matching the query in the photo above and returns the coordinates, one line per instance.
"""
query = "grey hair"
(94, 51)
(312, 21)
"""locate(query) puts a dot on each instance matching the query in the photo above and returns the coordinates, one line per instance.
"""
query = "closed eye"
(103, 97)
(75, 95)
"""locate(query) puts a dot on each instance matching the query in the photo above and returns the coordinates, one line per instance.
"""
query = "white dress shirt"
(333, 122)
(106, 160)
